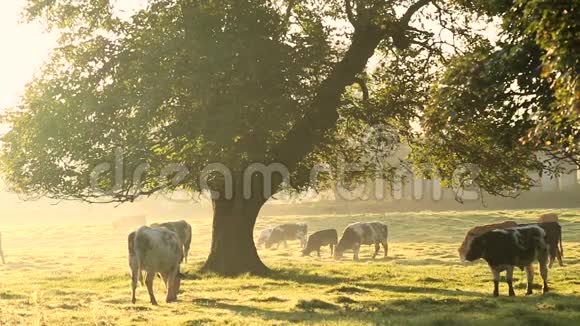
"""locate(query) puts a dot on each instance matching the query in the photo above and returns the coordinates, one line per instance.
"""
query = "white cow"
(155, 250)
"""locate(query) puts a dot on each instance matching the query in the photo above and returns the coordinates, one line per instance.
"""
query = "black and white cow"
(285, 232)
(504, 249)
(321, 238)
(362, 233)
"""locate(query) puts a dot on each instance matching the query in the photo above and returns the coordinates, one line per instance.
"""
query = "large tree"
(186, 88)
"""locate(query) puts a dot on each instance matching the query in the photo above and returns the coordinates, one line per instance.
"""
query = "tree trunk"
(233, 251)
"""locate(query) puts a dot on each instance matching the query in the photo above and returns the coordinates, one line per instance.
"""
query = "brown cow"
(479, 230)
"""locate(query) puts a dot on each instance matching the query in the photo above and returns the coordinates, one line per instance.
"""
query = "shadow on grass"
(301, 276)
(423, 310)
(420, 290)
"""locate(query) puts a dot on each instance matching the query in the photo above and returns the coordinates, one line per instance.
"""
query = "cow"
(183, 231)
(285, 232)
(504, 249)
(549, 217)
(264, 235)
(129, 222)
(479, 230)
(153, 251)
(361, 233)
(321, 238)
(1, 251)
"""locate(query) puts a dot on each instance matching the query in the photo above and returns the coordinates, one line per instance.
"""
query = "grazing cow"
(504, 249)
(549, 217)
(183, 231)
(264, 235)
(1, 251)
(360, 233)
(321, 238)
(479, 230)
(155, 250)
(285, 232)
(129, 222)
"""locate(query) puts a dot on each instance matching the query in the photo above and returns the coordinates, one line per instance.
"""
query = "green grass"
(78, 275)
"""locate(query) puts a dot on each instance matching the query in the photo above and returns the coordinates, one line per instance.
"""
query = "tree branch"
(322, 113)
(406, 18)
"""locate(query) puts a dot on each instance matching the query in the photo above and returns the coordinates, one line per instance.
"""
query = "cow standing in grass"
(285, 232)
(553, 236)
(321, 238)
(155, 250)
(504, 249)
(360, 233)
(183, 231)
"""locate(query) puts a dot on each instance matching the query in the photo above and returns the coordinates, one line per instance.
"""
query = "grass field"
(78, 275)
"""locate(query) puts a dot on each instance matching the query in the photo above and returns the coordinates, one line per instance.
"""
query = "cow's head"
(339, 249)
(465, 246)
(476, 249)
(274, 237)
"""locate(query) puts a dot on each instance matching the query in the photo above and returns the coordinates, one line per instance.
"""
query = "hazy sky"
(24, 49)
(26, 46)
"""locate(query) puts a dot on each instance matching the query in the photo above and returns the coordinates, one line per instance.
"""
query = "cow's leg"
(495, 282)
(559, 256)
(149, 282)
(285, 244)
(543, 260)
(141, 278)
(544, 273)
(553, 252)
(386, 247)
(165, 278)
(510, 279)
(530, 278)
(377, 248)
(318, 252)
(331, 249)
(135, 275)
(355, 251)
(172, 286)
(186, 253)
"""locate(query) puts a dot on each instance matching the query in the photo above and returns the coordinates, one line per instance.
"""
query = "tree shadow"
(303, 277)
(435, 310)
(420, 290)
